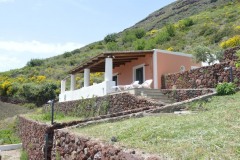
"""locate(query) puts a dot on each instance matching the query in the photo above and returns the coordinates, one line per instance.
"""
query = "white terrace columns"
(86, 77)
(108, 69)
(63, 86)
(73, 82)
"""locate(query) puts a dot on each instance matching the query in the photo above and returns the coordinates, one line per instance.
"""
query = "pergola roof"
(97, 63)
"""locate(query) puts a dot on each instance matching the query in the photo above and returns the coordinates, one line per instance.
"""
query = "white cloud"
(16, 54)
(6, 1)
(38, 47)
(9, 62)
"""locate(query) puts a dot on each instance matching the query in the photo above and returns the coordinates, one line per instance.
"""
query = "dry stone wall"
(71, 146)
(185, 94)
(32, 135)
(109, 104)
(205, 77)
(230, 54)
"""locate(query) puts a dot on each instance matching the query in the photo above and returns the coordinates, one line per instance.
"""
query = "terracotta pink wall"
(170, 63)
(125, 72)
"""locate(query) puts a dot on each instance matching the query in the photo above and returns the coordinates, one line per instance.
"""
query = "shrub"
(111, 38)
(161, 37)
(128, 37)
(170, 30)
(226, 88)
(112, 46)
(183, 24)
(231, 42)
(139, 33)
(67, 54)
(35, 62)
(150, 44)
(139, 44)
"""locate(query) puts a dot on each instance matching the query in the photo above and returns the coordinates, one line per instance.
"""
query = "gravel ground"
(11, 155)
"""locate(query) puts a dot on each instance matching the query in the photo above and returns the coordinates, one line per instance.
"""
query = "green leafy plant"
(238, 60)
(226, 88)
(24, 155)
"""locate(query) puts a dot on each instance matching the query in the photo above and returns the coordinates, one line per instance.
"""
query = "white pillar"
(86, 77)
(73, 82)
(155, 70)
(63, 86)
(108, 69)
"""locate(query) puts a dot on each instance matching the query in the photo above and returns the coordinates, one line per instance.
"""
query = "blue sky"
(45, 28)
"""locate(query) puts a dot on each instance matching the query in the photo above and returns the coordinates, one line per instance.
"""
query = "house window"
(139, 73)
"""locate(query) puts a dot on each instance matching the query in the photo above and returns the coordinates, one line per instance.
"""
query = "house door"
(115, 78)
(139, 75)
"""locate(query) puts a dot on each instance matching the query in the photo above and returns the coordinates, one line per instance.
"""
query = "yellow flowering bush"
(170, 49)
(231, 42)
(237, 28)
(152, 32)
(6, 88)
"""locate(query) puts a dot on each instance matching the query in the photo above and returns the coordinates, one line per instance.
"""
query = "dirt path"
(11, 155)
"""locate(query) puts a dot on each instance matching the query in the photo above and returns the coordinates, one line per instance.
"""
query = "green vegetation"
(8, 122)
(10, 110)
(226, 88)
(82, 110)
(45, 117)
(211, 133)
(24, 155)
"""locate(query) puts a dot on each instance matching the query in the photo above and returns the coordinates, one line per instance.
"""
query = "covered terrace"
(104, 62)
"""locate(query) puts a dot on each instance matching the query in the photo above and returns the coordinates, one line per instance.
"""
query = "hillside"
(180, 26)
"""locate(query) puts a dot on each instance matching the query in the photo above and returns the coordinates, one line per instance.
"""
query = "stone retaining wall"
(71, 146)
(32, 135)
(185, 94)
(109, 104)
(205, 77)
(230, 54)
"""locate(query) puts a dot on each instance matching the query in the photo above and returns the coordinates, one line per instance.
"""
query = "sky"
(31, 29)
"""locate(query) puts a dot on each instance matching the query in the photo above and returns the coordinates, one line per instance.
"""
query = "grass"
(8, 123)
(8, 131)
(10, 110)
(212, 133)
(39, 115)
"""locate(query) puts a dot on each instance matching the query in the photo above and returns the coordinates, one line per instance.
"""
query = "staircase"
(154, 94)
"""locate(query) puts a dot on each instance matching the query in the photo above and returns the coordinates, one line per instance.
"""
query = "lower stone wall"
(185, 94)
(68, 146)
(32, 135)
(109, 104)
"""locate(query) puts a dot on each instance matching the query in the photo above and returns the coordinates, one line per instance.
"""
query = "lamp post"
(52, 110)
(230, 72)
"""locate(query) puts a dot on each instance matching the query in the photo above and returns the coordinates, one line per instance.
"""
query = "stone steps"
(154, 94)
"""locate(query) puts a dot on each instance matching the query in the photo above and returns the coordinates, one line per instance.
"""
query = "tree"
(139, 33)
(204, 54)
(35, 62)
(111, 38)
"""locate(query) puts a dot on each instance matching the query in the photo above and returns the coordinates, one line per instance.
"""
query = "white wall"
(99, 89)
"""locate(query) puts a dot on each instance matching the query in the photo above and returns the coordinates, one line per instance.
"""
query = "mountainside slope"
(177, 11)
(181, 26)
